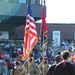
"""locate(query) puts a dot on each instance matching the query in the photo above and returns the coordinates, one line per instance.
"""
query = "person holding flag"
(30, 36)
(44, 37)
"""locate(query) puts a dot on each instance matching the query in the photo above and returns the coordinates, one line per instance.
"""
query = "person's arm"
(50, 71)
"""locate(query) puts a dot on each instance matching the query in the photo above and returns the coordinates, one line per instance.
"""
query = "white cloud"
(60, 11)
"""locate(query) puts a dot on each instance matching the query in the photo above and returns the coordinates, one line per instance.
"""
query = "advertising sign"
(4, 35)
(56, 38)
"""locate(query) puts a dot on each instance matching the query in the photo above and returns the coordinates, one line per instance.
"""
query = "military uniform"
(45, 66)
(18, 71)
(34, 69)
(27, 65)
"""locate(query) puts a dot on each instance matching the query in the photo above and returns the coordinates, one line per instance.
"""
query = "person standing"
(31, 66)
(44, 66)
(64, 67)
(50, 70)
(18, 69)
(34, 69)
(4, 68)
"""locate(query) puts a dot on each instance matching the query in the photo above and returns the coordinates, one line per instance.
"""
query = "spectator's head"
(36, 61)
(65, 54)
(58, 58)
(4, 63)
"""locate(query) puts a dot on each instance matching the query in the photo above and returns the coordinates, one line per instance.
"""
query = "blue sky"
(60, 11)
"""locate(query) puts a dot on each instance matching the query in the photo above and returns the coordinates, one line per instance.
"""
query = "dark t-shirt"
(51, 70)
(64, 68)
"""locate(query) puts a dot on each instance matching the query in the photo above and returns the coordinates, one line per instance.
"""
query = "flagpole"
(29, 40)
(43, 57)
(43, 42)
(29, 43)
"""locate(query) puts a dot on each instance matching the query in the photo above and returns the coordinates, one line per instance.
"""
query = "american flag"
(30, 36)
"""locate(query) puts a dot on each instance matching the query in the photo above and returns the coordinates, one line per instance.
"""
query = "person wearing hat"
(44, 66)
(18, 69)
(34, 69)
(50, 70)
(31, 66)
(27, 63)
(64, 67)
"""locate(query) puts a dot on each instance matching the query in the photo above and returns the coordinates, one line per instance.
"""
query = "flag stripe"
(30, 36)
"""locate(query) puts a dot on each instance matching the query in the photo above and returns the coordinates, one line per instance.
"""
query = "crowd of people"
(9, 53)
(55, 59)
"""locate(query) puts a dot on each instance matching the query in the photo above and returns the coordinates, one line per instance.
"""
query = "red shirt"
(10, 64)
(1, 57)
